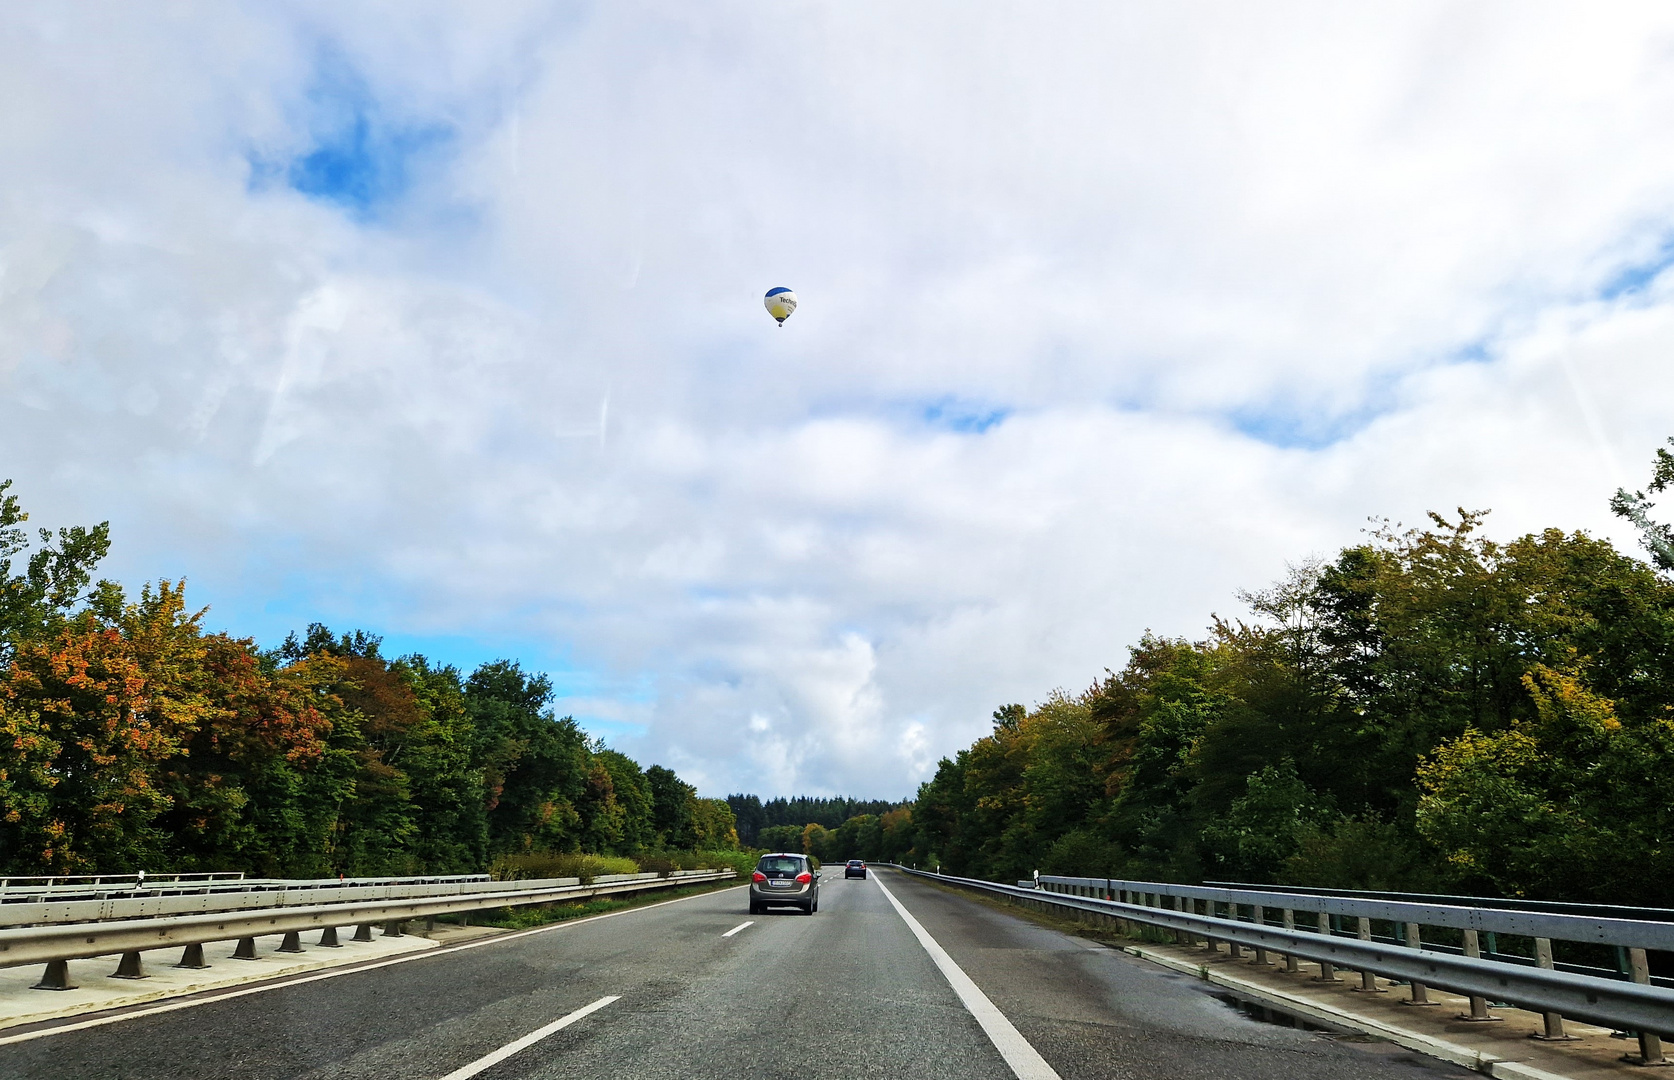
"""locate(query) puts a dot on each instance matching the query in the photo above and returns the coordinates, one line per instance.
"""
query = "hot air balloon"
(780, 303)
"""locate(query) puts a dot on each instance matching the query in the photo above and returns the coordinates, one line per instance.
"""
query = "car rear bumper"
(769, 895)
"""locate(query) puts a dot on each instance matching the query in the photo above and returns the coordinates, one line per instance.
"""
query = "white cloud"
(1231, 280)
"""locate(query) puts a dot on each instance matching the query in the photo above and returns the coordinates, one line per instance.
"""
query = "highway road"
(697, 988)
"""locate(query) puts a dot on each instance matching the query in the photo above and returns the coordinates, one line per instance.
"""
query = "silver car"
(785, 878)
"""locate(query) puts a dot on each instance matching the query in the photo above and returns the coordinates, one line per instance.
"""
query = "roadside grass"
(527, 916)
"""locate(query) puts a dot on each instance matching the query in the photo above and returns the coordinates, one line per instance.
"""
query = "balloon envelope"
(780, 303)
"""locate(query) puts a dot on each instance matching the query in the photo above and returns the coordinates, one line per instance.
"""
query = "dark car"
(856, 868)
(785, 878)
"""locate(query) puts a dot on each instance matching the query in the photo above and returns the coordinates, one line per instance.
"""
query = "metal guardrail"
(1556, 907)
(8, 881)
(1522, 922)
(56, 942)
(146, 905)
(1634, 1006)
(128, 887)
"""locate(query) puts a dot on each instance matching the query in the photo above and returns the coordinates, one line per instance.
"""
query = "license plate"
(781, 884)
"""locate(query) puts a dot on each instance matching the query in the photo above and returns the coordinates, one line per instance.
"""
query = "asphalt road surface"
(666, 991)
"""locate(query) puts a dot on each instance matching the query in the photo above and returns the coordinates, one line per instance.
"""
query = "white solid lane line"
(1025, 1063)
(739, 927)
(528, 1040)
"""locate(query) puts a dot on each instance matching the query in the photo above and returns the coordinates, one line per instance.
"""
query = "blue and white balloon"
(780, 303)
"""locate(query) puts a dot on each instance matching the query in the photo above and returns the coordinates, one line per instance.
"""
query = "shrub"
(552, 864)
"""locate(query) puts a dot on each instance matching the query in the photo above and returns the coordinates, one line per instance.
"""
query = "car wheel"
(755, 909)
(807, 909)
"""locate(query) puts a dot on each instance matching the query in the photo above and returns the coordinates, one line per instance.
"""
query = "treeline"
(790, 816)
(132, 739)
(1429, 711)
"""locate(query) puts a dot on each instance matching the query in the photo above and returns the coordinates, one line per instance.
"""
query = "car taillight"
(758, 876)
(804, 878)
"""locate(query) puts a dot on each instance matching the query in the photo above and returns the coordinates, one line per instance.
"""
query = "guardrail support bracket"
(1479, 1013)
(292, 943)
(192, 957)
(393, 928)
(1650, 1052)
(1327, 970)
(1650, 1045)
(130, 967)
(1553, 1028)
(246, 949)
(328, 938)
(363, 932)
(56, 977)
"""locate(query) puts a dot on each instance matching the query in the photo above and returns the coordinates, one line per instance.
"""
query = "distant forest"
(752, 815)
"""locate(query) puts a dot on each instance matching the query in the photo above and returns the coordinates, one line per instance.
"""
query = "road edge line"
(1023, 1059)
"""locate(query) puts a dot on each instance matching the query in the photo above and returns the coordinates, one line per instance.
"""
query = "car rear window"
(856, 862)
(781, 865)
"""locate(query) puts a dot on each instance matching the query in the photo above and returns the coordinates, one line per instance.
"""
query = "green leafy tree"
(1571, 804)
(54, 579)
(673, 804)
(536, 766)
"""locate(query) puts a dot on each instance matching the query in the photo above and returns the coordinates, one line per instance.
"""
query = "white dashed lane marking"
(506, 1051)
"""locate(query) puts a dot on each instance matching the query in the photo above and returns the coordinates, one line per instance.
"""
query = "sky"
(444, 321)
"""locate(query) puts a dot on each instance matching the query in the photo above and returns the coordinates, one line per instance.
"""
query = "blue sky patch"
(962, 416)
(1291, 425)
(1634, 278)
(361, 158)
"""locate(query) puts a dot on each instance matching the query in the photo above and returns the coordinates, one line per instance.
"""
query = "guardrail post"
(1479, 1005)
(246, 949)
(192, 957)
(1368, 981)
(1327, 970)
(1233, 949)
(1554, 1028)
(1292, 964)
(1180, 936)
(1420, 992)
(130, 967)
(394, 928)
(363, 932)
(292, 943)
(1261, 920)
(1650, 1043)
(328, 938)
(56, 977)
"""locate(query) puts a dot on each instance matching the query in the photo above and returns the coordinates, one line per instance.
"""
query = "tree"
(535, 765)
(713, 828)
(1572, 804)
(672, 807)
(55, 577)
(750, 817)
(1657, 538)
